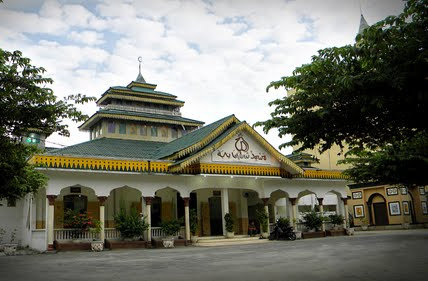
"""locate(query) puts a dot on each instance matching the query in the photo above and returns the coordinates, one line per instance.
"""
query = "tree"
(27, 104)
(371, 95)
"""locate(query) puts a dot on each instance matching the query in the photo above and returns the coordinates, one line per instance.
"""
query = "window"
(154, 131)
(111, 127)
(143, 130)
(164, 132)
(122, 128)
(174, 133)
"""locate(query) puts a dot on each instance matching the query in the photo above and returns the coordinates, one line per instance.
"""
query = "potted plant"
(336, 220)
(230, 223)
(97, 245)
(170, 228)
(10, 248)
(364, 224)
(312, 221)
(263, 220)
(193, 217)
(131, 226)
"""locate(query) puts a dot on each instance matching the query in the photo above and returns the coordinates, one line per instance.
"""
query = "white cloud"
(217, 57)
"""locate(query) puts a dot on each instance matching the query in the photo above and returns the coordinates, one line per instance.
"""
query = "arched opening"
(307, 201)
(280, 205)
(167, 205)
(378, 213)
(75, 199)
(124, 197)
(254, 205)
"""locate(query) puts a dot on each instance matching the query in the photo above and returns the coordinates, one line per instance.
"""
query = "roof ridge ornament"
(140, 77)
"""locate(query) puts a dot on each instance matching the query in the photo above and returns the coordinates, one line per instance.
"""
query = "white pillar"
(345, 203)
(187, 217)
(102, 200)
(50, 221)
(320, 203)
(265, 203)
(224, 207)
(294, 212)
(149, 217)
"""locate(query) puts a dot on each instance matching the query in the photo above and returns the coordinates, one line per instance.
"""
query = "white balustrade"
(157, 232)
(74, 234)
(112, 233)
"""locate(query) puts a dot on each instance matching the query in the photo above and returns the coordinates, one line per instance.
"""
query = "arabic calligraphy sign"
(241, 149)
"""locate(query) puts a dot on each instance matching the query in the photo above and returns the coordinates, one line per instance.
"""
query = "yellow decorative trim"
(227, 169)
(215, 133)
(144, 85)
(137, 118)
(159, 167)
(134, 98)
(67, 162)
(322, 174)
(243, 126)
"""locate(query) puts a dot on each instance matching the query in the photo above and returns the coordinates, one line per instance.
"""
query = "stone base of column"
(51, 247)
(149, 245)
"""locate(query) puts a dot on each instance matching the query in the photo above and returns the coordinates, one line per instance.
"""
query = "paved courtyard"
(388, 255)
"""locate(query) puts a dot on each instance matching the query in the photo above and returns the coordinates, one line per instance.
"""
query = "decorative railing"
(111, 233)
(74, 234)
(157, 232)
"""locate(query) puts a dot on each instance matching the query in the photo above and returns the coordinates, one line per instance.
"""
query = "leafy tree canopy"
(26, 104)
(371, 95)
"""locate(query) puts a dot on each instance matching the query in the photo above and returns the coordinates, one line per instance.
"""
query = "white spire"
(140, 77)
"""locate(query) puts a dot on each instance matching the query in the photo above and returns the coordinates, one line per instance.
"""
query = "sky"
(217, 56)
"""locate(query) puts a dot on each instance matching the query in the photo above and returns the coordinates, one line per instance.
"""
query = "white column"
(149, 217)
(102, 200)
(345, 203)
(50, 221)
(187, 217)
(320, 203)
(224, 207)
(294, 212)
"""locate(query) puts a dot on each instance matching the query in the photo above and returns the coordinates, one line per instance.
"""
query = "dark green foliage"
(230, 222)
(336, 219)
(283, 223)
(312, 220)
(371, 95)
(130, 225)
(263, 220)
(27, 103)
(171, 227)
(193, 217)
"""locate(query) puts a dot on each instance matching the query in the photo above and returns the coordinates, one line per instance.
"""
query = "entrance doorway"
(380, 213)
(216, 222)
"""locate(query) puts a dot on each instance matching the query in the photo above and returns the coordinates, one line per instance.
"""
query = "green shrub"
(283, 223)
(170, 227)
(263, 220)
(312, 220)
(193, 217)
(130, 225)
(230, 223)
(336, 219)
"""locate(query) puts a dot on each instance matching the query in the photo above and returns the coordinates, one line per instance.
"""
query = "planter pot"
(298, 234)
(194, 239)
(168, 242)
(230, 234)
(336, 227)
(350, 231)
(338, 232)
(364, 227)
(265, 235)
(314, 234)
(311, 230)
(97, 246)
(10, 249)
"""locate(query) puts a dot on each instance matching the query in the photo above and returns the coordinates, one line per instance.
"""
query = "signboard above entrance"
(242, 149)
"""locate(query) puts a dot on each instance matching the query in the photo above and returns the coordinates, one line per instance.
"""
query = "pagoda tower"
(139, 112)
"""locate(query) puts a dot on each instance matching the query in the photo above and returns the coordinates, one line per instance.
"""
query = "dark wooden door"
(216, 222)
(380, 213)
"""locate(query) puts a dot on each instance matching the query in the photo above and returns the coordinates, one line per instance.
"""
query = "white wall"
(11, 218)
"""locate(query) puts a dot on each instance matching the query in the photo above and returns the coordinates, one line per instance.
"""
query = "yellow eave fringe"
(134, 98)
(136, 118)
(322, 174)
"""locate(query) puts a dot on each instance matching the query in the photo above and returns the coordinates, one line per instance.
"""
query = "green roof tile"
(190, 139)
(115, 148)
